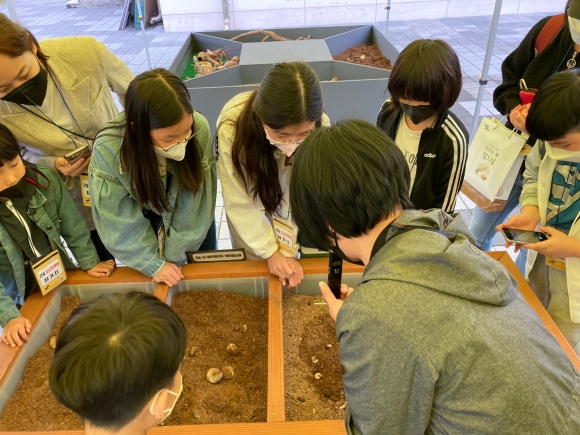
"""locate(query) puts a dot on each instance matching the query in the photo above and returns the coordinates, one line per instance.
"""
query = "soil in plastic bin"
(33, 407)
(365, 54)
(308, 332)
(214, 319)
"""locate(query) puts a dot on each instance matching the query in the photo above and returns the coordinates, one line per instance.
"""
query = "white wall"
(188, 15)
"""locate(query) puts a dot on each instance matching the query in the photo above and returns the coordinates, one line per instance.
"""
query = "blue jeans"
(483, 224)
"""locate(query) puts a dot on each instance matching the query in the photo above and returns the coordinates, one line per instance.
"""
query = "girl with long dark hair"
(258, 133)
(152, 179)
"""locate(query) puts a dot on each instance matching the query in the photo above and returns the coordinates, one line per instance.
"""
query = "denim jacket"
(55, 213)
(118, 216)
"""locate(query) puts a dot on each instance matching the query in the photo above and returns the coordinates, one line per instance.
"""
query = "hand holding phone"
(83, 151)
(523, 237)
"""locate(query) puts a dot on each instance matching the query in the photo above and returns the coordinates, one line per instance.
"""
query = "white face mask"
(574, 29)
(175, 151)
(287, 148)
(562, 154)
(167, 412)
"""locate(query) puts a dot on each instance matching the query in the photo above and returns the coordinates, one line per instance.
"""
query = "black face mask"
(417, 114)
(341, 254)
(31, 92)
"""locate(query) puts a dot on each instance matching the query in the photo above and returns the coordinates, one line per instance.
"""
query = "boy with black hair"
(436, 338)
(36, 211)
(117, 363)
(551, 198)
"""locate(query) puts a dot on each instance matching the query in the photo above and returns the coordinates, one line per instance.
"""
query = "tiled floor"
(468, 36)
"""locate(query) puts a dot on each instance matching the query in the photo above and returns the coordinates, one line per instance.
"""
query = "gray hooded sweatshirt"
(437, 339)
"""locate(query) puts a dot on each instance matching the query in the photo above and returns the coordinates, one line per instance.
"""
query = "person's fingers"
(22, 332)
(3, 338)
(177, 270)
(10, 339)
(282, 279)
(27, 325)
(548, 230)
(293, 281)
(15, 337)
(326, 293)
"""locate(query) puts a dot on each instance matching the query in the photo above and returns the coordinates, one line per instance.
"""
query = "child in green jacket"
(35, 212)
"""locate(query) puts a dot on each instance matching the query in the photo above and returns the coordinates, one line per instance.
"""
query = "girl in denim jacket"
(152, 179)
(36, 210)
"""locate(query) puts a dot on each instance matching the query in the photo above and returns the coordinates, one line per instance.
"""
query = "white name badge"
(285, 236)
(85, 190)
(49, 272)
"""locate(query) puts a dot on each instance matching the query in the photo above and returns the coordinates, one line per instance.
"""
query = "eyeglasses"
(288, 142)
(179, 143)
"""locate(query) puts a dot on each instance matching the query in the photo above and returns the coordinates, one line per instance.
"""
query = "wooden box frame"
(276, 424)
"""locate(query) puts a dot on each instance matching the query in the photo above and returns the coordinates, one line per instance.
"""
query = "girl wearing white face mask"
(551, 199)
(258, 134)
(153, 179)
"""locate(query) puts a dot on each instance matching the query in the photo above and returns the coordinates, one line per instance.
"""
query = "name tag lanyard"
(44, 117)
(48, 268)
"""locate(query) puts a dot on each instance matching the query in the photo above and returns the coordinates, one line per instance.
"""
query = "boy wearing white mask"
(258, 133)
(551, 198)
(117, 363)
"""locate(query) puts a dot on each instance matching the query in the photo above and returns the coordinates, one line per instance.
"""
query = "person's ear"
(156, 405)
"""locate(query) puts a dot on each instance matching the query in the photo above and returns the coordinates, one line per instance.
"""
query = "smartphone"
(523, 236)
(334, 274)
(83, 151)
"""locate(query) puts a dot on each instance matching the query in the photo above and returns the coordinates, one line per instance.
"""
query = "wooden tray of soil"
(312, 369)
(365, 54)
(215, 319)
(33, 407)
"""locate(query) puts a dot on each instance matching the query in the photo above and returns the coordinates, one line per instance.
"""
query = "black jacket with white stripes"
(441, 158)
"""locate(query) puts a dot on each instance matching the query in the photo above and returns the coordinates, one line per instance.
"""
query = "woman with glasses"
(152, 179)
(258, 133)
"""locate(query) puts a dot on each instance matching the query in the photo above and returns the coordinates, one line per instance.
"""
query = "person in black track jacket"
(425, 82)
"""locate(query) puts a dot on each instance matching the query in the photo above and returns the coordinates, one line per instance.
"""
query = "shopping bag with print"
(492, 164)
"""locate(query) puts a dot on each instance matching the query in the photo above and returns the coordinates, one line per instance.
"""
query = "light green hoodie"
(437, 339)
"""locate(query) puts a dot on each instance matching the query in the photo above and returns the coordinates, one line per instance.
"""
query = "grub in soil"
(365, 54)
(211, 318)
(313, 389)
(33, 407)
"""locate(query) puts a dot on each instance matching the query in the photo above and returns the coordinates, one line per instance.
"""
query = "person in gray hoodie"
(436, 338)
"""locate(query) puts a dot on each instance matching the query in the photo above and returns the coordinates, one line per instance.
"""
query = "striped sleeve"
(459, 140)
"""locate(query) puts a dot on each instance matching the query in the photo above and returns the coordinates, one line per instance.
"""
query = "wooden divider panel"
(276, 407)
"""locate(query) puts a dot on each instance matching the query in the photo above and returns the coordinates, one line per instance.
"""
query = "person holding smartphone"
(551, 198)
(523, 71)
(153, 179)
(436, 338)
(55, 95)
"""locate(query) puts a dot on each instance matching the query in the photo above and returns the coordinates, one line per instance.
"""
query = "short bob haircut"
(555, 110)
(114, 354)
(346, 178)
(427, 70)
(9, 148)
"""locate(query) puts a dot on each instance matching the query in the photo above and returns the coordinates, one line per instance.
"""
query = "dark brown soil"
(33, 407)
(214, 319)
(308, 329)
(365, 54)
